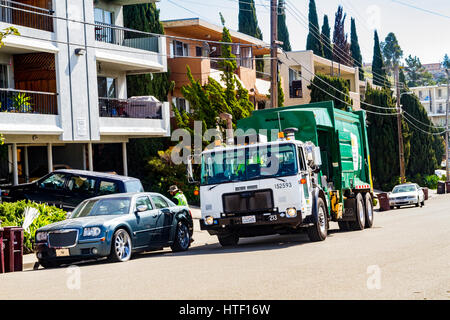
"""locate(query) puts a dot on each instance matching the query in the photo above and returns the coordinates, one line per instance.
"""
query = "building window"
(181, 104)
(420, 94)
(4, 76)
(103, 16)
(179, 49)
(441, 110)
(107, 87)
(439, 93)
(295, 84)
(246, 57)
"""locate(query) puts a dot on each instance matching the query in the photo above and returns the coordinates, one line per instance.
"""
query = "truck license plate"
(62, 252)
(249, 219)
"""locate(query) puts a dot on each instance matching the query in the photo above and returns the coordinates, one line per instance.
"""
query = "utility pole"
(399, 127)
(446, 125)
(274, 53)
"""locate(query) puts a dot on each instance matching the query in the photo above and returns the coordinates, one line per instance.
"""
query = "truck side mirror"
(190, 170)
(317, 157)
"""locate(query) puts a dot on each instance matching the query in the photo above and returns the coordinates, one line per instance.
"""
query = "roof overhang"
(200, 29)
(29, 45)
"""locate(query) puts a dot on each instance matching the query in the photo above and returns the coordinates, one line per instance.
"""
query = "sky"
(423, 32)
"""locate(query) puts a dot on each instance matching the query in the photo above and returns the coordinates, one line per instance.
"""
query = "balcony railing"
(125, 37)
(26, 15)
(22, 101)
(138, 108)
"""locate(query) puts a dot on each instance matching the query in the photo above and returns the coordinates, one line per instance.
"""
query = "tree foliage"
(427, 150)
(321, 90)
(392, 52)
(356, 50)
(313, 41)
(383, 138)
(379, 73)
(416, 73)
(248, 24)
(341, 47)
(326, 39)
(145, 17)
(283, 32)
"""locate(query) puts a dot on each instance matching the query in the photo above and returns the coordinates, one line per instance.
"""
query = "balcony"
(23, 14)
(30, 102)
(130, 108)
(125, 37)
(136, 116)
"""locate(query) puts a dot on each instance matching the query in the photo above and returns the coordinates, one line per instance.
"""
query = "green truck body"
(341, 136)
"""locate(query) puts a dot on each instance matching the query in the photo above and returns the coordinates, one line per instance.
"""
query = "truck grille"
(249, 201)
(63, 238)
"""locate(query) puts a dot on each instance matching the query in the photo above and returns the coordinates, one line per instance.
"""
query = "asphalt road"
(406, 255)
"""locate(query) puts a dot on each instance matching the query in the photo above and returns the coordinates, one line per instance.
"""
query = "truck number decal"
(283, 185)
(273, 217)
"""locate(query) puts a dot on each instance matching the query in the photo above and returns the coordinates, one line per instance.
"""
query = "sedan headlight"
(41, 236)
(91, 232)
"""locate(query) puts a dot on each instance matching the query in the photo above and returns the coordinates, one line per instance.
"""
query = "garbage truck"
(314, 170)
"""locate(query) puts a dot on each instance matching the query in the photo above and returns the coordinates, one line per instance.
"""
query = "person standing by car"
(178, 195)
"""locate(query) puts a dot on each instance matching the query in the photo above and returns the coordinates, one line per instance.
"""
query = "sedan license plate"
(62, 252)
(249, 219)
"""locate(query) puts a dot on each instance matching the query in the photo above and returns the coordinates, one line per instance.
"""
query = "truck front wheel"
(229, 239)
(318, 232)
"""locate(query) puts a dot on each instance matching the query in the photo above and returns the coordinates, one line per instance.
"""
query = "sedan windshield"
(401, 189)
(102, 207)
(243, 164)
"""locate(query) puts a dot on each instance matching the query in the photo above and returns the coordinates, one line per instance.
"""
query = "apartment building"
(298, 68)
(63, 87)
(434, 99)
(199, 56)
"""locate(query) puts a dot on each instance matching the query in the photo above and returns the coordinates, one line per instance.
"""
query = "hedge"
(11, 214)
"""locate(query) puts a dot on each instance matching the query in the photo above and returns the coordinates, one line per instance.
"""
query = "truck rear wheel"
(318, 232)
(360, 214)
(229, 239)
(369, 211)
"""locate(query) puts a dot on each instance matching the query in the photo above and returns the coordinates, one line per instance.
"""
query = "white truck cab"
(262, 188)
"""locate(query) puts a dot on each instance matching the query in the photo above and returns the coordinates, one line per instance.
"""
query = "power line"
(264, 45)
(317, 35)
(421, 9)
(343, 93)
(423, 131)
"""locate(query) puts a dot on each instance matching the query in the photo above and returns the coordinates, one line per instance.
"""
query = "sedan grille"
(63, 238)
(250, 201)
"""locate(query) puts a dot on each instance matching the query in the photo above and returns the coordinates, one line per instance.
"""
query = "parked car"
(405, 195)
(115, 226)
(67, 188)
(42, 171)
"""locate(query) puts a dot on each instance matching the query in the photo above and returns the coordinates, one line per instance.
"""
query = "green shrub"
(430, 181)
(11, 214)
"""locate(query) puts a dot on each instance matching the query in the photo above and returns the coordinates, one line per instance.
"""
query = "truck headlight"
(41, 236)
(91, 232)
(209, 220)
(291, 212)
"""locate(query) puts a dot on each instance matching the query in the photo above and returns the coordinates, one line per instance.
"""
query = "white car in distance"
(406, 195)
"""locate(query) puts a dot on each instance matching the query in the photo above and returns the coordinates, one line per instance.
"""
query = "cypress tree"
(145, 17)
(379, 73)
(248, 24)
(313, 41)
(283, 32)
(356, 50)
(341, 47)
(321, 90)
(427, 148)
(326, 39)
(248, 21)
(382, 136)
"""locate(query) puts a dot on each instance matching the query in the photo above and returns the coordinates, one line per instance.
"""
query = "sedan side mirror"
(141, 208)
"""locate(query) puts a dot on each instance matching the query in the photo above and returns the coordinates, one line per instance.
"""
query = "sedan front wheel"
(120, 246)
(182, 238)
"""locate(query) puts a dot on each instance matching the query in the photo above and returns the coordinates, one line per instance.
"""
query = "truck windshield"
(249, 164)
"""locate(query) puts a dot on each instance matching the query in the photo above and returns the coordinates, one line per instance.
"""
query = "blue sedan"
(115, 226)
